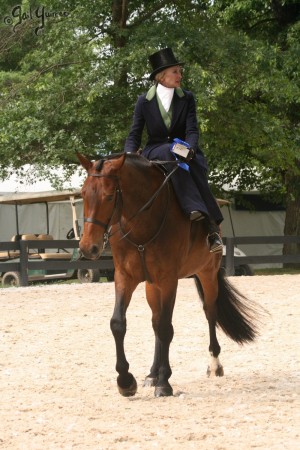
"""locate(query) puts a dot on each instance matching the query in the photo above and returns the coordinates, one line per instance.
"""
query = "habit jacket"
(191, 188)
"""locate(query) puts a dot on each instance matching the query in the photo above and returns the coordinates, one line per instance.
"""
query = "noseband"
(118, 199)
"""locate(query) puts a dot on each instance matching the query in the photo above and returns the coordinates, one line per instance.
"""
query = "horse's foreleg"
(153, 299)
(162, 304)
(164, 329)
(126, 382)
(210, 293)
(152, 378)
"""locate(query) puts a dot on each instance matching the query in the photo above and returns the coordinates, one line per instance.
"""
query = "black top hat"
(162, 60)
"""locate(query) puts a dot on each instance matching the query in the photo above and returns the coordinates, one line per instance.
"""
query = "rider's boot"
(214, 239)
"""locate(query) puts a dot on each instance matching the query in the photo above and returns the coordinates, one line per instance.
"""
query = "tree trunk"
(119, 18)
(292, 220)
(119, 22)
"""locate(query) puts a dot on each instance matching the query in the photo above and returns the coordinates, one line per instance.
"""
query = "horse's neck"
(139, 183)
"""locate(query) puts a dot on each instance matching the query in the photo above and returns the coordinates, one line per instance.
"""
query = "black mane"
(134, 157)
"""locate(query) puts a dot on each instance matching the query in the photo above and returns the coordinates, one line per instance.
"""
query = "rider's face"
(172, 77)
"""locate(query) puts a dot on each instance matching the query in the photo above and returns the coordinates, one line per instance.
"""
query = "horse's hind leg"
(126, 382)
(162, 302)
(215, 367)
(208, 291)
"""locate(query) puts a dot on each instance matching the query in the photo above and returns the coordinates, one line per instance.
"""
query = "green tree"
(74, 89)
(264, 105)
(74, 85)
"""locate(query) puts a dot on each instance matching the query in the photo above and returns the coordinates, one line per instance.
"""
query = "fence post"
(229, 259)
(24, 263)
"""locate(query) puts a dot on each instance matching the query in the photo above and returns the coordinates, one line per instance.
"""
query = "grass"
(277, 271)
(267, 271)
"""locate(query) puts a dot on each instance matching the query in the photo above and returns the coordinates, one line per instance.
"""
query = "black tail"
(237, 316)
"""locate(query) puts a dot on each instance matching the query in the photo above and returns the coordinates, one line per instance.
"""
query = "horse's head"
(100, 194)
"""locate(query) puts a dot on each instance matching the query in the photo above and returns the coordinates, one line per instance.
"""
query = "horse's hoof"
(150, 382)
(163, 391)
(128, 391)
(217, 372)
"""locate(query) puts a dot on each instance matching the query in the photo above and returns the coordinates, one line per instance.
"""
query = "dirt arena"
(58, 379)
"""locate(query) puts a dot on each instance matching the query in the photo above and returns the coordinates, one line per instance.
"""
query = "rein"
(156, 193)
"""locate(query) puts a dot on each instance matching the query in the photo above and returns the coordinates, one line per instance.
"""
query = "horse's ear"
(86, 163)
(117, 163)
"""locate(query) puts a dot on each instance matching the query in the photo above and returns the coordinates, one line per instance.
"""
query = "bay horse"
(129, 200)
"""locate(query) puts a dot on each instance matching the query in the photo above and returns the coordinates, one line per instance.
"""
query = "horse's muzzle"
(90, 251)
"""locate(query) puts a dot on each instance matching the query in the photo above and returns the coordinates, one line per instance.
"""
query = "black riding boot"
(214, 239)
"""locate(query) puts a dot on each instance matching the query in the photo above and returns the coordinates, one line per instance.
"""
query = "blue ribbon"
(183, 165)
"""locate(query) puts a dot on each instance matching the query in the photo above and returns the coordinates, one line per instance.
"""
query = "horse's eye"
(109, 197)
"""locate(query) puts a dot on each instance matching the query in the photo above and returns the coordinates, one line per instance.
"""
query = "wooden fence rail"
(24, 264)
(230, 260)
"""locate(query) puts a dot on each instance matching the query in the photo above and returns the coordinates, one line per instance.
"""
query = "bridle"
(119, 201)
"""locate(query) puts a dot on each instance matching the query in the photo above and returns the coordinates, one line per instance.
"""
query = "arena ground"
(58, 379)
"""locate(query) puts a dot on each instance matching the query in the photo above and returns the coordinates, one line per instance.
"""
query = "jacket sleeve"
(192, 130)
(134, 139)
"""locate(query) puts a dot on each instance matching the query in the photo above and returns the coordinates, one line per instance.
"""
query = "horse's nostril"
(94, 250)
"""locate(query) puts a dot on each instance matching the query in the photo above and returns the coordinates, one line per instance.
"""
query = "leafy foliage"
(73, 86)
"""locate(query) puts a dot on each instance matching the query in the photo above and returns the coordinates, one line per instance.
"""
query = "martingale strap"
(141, 247)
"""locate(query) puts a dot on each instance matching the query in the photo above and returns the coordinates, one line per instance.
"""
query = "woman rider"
(169, 112)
